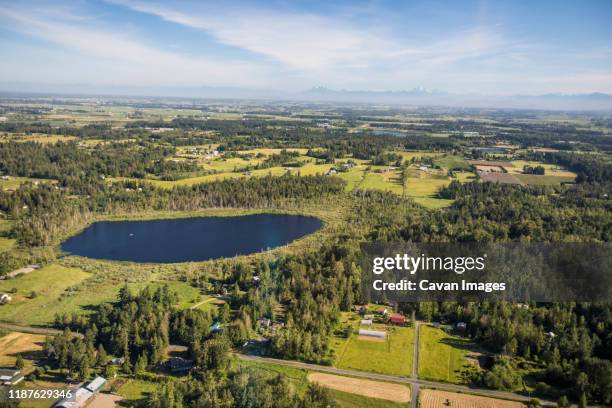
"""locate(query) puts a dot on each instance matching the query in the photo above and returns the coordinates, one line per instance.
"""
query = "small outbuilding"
(397, 319)
(373, 333)
(366, 322)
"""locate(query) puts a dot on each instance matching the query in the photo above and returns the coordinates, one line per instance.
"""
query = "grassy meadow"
(442, 357)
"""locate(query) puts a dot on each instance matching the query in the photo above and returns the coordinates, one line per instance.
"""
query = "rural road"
(414, 396)
(34, 330)
(393, 378)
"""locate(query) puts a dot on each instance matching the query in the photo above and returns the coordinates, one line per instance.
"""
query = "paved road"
(34, 330)
(393, 378)
(415, 364)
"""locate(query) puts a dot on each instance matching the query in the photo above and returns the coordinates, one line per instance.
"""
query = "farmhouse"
(397, 319)
(10, 376)
(373, 333)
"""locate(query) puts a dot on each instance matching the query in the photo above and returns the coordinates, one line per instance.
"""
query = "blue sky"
(486, 47)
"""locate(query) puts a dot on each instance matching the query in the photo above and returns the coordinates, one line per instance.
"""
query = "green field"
(61, 289)
(442, 357)
(392, 356)
(452, 162)
(134, 390)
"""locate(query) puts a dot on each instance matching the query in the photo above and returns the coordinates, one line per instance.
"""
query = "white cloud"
(119, 58)
(318, 43)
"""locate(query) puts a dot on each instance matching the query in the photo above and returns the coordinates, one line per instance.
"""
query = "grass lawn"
(442, 357)
(134, 390)
(392, 356)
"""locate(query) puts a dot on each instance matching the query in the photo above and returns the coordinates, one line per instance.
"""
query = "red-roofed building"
(397, 319)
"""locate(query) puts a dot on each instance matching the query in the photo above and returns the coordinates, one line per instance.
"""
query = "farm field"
(442, 399)
(391, 356)
(442, 357)
(545, 180)
(15, 343)
(367, 388)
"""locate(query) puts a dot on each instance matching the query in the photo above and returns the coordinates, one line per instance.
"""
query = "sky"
(480, 47)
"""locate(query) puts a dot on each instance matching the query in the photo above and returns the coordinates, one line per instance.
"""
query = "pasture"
(392, 356)
(442, 357)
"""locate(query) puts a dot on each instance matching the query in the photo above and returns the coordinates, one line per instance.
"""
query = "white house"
(5, 298)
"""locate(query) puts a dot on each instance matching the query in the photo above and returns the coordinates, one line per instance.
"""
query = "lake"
(188, 239)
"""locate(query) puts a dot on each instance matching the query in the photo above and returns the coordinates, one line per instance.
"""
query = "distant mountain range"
(423, 97)
(413, 97)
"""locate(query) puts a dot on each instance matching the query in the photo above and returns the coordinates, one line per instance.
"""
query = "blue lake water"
(188, 239)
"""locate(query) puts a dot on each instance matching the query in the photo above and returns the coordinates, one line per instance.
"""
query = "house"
(10, 376)
(368, 317)
(423, 168)
(179, 364)
(382, 311)
(551, 335)
(436, 325)
(264, 323)
(5, 298)
(215, 327)
(461, 326)
(397, 319)
(366, 322)
(373, 333)
(118, 361)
